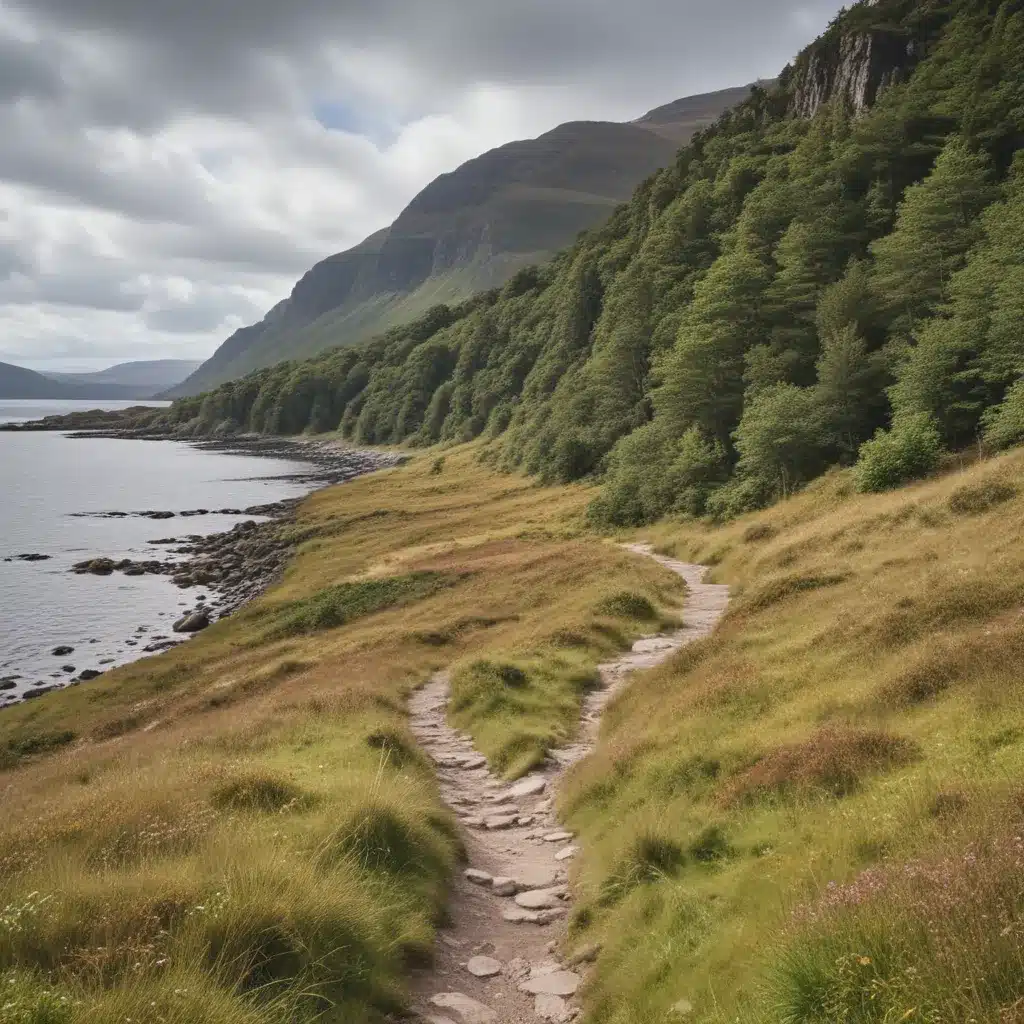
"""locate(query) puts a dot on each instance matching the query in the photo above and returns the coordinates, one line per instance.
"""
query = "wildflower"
(863, 960)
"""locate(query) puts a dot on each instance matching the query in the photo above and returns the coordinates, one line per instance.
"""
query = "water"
(20, 410)
(47, 477)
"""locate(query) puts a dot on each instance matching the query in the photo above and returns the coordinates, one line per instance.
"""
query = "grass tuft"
(973, 499)
(338, 605)
(628, 605)
(783, 587)
(834, 762)
(262, 792)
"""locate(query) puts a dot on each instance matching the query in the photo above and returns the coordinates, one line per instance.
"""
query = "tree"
(849, 391)
(936, 226)
(779, 440)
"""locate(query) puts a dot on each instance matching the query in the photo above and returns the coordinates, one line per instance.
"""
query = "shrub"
(628, 605)
(833, 762)
(973, 499)
(910, 450)
(18, 748)
(711, 845)
(1004, 425)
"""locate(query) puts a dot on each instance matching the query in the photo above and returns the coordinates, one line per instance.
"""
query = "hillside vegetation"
(836, 261)
(816, 815)
(243, 829)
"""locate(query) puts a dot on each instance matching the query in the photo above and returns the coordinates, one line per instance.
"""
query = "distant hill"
(146, 377)
(466, 232)
(124, 382)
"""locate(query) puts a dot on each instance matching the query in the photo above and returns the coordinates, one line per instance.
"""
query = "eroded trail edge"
(496, 961)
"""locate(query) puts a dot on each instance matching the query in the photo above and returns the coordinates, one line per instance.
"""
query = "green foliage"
(910, 450)
(745, 320)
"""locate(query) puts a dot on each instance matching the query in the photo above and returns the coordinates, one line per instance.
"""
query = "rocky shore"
(230, 568)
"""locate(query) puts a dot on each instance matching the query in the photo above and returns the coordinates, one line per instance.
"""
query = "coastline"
(229, 568)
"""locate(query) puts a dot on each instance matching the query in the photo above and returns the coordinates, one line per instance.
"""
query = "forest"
(791, 294)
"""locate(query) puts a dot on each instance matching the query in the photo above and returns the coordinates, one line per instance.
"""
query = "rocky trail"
(498, 962)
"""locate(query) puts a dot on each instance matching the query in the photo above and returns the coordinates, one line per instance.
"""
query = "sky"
(170, 168)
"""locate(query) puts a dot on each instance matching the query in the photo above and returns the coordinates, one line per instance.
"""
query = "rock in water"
(193, 622)
(62, 652)
(89, 674)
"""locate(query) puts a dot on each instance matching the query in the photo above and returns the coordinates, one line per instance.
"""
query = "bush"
(1004, 425)
(976, 498)
(910, 450)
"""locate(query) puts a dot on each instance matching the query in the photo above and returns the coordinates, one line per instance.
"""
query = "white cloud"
(167, 170)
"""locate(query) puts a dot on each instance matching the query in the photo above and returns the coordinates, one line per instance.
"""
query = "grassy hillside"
(816, 815)
(829, 274)
(243, 829)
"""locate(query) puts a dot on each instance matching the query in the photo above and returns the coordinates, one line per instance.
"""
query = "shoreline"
(230, 567)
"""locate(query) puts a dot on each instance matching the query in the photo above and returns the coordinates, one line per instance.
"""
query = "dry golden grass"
(858, 715)
(243, 829)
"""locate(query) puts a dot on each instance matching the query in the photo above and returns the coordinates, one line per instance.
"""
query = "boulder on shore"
(194, 622)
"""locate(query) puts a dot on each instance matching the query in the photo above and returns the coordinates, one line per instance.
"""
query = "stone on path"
(558, 837)
(500, 821)
(558, 983)
(434, 1019)
(539, 899)
(568, 853)
(516, 915)
(532, 785)
(503, 886)
(477, 877)
(538, 878)
(553, 1008)
(484, 967)
(469, 1011)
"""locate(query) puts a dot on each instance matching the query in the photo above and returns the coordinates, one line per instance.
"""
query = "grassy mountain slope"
(838, 255)
(467, 231)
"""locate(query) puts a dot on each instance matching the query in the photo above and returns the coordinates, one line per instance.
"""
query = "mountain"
(466, 232)
(146, 378)
(830, 274)
(124, 382)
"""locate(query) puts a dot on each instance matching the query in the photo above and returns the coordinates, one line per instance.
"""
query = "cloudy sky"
(169, 168)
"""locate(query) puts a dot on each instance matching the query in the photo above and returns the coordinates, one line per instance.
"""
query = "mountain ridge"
(467, 231)
(124, 381)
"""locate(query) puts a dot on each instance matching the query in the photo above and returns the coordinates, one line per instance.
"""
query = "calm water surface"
(45, 478)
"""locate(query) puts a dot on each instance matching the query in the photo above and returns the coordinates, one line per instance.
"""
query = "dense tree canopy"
(759, 311)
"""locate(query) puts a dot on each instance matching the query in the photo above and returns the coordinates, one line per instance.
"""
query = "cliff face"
(853, 68)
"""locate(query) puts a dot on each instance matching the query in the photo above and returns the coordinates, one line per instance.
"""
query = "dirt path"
(496, 962)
